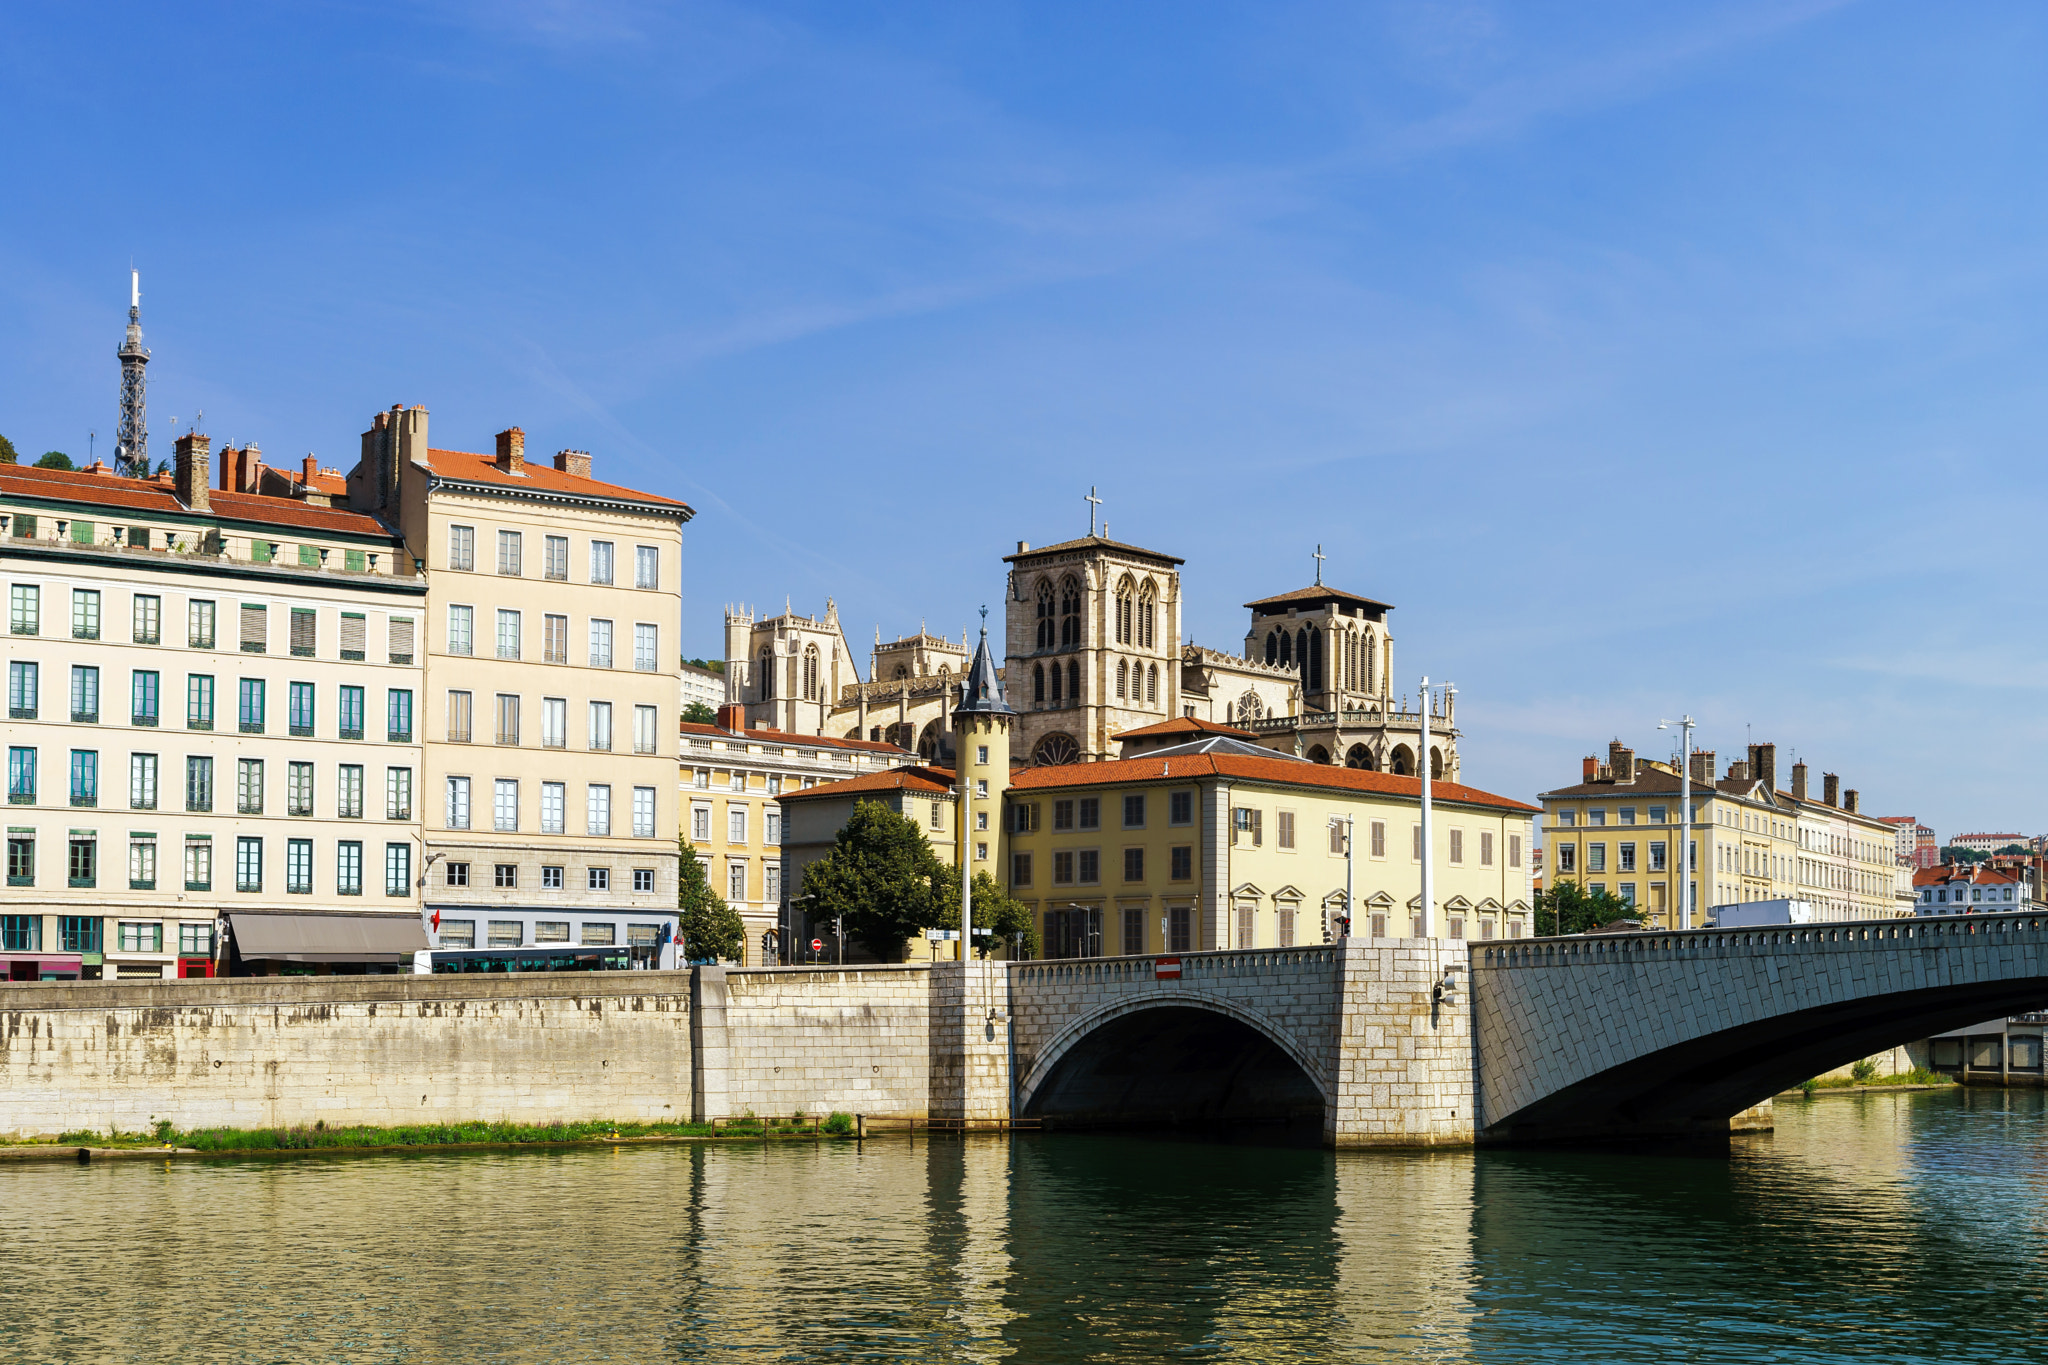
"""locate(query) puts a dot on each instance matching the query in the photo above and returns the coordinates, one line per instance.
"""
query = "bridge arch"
(1174, 1057)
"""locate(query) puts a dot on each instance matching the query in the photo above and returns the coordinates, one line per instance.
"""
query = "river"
(1901, 1228)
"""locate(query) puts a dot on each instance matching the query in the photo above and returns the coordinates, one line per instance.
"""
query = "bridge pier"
(1402, 1069)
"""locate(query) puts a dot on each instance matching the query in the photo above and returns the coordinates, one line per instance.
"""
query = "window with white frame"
(598, 809)
(643, 812)
(736, 881)
(645, 734)
(461, 630)
(142, 781)
(508, 634)
(600, 561)
(646, 648)
(557, 558)
(646, 566)
(398, 793)
(735, 824)
(505, 804)
(601, 726)
(554, 722)
(349, 791)
(600, 643)
(509, 553)
(553, 799)
(462, 547)
(700, 824)
(771, 825)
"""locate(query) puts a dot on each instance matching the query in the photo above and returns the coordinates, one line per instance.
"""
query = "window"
(458, 803)
(462, 547)
(85, 694)
(597, 879)
(255, 628)
(550, 880)
(1062, 867)
(600, 561)
(553, 800)
(457, 933)
(1378, 841)
(1134, 864)
(554, 639)
(1656, 815)
(555, 558)
(195, 940)
(299, 789)
(1181, 863)
(735, 824)
(1596, 815)
(142, 781)
(23, 687)
(198, 783)
(250, 705)
(21, 775)
(509, 553)
(85, 614)
(399, 639)
(140, 938)
(1088, 862)
(1514, 850)
(554, 722)
(305, 632)
(1180, 808)
(1284, 819)
(24, 609)
(1457, 846)
(508, 718)
(646, 648)
(1486, 848)
(601, 727)
(1567, 817)
(1091, 812)
(1567, 857)
(598, 809)
(1134, 811)
(1627, 855)
(457, 874)
(505, 805)
(149, 619)
(458, 717)
(1657, 856)
(938, 814)
(1628, 815)
(299, 709)
(21, 860)
(508, 634)
(646, 566)
(600, 644)
(1020, 869)
(643, 812)
(398, 869)
(738, 781)
(85, 777)
(1596, 857)
(198, 701)
(249, 786)
(643, 883)
(398, 793)
(298, 867)
(79, 934)
(735, 881)
(505, 875)
(142, 862)
(700, 824)
(646, 732)
(462, 630)
(199, 624)
(249, 864)
(505, 933)
(771, 826)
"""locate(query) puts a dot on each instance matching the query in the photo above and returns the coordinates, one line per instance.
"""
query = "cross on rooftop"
(1319, 557)
(1093, 502)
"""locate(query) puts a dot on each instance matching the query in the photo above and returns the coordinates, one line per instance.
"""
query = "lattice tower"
(131, 442)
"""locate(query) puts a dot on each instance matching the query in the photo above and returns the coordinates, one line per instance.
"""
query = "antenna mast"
(131, 441)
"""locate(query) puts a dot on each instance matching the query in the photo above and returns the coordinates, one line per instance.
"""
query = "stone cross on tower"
(1093, 503)
(1319, 557)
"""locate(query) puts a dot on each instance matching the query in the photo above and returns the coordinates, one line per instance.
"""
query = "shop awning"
(327, 938)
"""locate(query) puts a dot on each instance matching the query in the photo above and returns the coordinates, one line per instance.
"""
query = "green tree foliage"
(54, 459)
(709, 927)
(2020, 849)
(996, 916)
(883, 878)
(1568, 908)
(8, 454)
(1951, 854)
(697, 713)
(708, 665)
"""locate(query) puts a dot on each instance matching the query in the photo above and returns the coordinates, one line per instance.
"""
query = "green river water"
(1901, 1228)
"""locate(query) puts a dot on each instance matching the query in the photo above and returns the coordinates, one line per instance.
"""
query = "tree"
(8, 454)
(882, 878)
(1951, 854)
(697, 713)
(710, 929)
(2020, 849)
(1568, 908)
(54, 459)
(708, 665)
(996, 916)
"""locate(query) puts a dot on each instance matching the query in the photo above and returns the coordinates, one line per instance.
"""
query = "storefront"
(260, 944)
(643, 939)
(41, 966)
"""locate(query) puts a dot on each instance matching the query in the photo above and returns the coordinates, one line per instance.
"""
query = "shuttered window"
(555, 639)
(305, 632)
(401, 639)
(354, 633)
(255, 629)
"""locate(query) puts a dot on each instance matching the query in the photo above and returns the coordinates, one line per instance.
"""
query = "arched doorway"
(1172, 1065)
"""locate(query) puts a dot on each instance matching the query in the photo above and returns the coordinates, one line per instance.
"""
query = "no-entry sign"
(1166, 968)
(817, 945)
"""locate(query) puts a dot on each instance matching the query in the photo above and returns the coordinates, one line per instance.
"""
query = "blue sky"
(1649, 358)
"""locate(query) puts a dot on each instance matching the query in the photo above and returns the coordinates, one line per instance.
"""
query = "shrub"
(1809, 1086)
(1863, 1071)
(838, 1124)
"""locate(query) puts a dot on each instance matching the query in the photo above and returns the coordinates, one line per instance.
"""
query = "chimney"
(1763, 764)
(1023, 547)
(1703, 766)
(1830, 789)
(512, 450)
(573, 462)
(732, 716)
(1799, 781)
(194, 465)
(1738, 770)
(1849, 800)
(1591, 770)
(249, 469)
(311, 470)
(1621, 761)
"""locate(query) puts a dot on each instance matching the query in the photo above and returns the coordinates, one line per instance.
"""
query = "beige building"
(213, 720)
(731, 783)
(551, 688)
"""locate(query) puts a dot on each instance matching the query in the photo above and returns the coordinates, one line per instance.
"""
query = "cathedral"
(1095, 665)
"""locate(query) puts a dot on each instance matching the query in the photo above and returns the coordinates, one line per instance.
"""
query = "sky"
(1653, 360)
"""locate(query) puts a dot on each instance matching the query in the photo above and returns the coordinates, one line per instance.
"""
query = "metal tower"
(131, 442)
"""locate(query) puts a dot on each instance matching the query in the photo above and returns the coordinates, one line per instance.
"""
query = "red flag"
(437, 921)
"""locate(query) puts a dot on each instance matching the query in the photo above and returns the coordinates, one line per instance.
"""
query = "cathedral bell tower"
(981, 736)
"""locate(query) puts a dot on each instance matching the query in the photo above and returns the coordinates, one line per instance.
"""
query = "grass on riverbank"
(1919, 1075)
(319, 1136)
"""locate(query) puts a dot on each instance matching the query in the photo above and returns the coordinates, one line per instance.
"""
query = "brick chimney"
(1849, 800)
(1830, 789)
(194, 465)
(1738, 770)
(310, 470)
(1703, 766)
(1763, 764)
(573, 462)
(512, 451)
(1590, 769)
(1799, 781)
(1621, 761)
(732, 716)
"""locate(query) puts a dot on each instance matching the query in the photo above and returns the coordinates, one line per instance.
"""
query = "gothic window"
(1148, 611)
(1249, 707)
(767, 675)
(1371, 677)
(1272, 648)
(1312, 653)
(1073, 681)
(811, 673)
(1056, 749)
(1436, 763)
(1402, 761)
(1286, 650)
(1358, 756)
(1056, 672)
(1152, 685)
(1301, 658)
(1045, 617)
(1123, 673)
(1070, 612)
(945, 670)
(928, 742)
(902, 670)
(900, 734)
(1318, 754)
(1038, 682)
(1126, 605)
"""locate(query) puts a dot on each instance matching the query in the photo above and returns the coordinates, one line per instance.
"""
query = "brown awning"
(327, 938)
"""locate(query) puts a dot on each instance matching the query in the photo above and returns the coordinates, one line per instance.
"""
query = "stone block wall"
(1403, 1061)
(815, 1040)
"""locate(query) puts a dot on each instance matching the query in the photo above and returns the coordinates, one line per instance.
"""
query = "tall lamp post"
(1422, 921)
(1685, 873)
(1341, 823)
(790, 936)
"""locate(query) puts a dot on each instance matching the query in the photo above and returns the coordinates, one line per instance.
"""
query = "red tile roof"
(1277, 771)
(921, 780)
(1941, 874)
(150, 495)
(461, 464)
(1185, 725)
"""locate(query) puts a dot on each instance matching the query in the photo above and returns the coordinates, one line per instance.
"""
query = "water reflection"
(1893, 1227)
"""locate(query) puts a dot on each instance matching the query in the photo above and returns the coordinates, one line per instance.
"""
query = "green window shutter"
(309, 556)
(353, 561)
(261, 551)
(81, 533)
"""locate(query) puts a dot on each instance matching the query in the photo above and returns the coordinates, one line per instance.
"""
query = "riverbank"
(1919, 1079)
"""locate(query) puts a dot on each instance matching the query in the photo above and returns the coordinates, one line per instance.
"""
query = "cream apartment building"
(551, 689)
(213, 718)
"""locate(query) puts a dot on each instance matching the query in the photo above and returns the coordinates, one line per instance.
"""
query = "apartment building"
(212, 724)
(550, 692)
(1973, 888)
(731, 784)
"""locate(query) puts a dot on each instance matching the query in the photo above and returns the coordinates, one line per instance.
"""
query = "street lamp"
(1084, 911)
(789, 904)
(1685, 873)
(1341, 823)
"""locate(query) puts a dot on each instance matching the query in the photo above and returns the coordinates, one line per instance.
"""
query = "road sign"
(817, 945)
(1166, 969)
